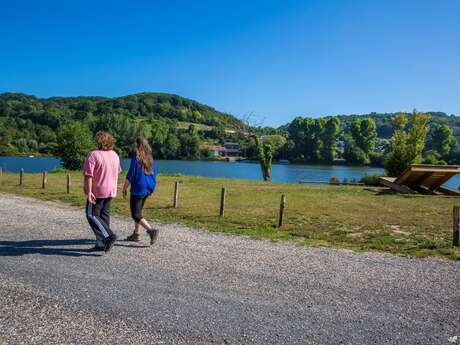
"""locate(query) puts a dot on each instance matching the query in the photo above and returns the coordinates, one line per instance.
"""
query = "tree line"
(30, 125)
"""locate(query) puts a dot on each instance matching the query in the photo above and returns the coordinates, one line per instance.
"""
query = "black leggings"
(136, 203)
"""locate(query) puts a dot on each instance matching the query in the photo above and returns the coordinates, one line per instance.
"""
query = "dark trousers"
(136, 204)
(98, 216)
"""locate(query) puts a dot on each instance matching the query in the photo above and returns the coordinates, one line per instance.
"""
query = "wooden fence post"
(282, 207)
(222, 202)
(176, 194)
(68, 183)
(456, 226)
(21, 177)
(44, 179)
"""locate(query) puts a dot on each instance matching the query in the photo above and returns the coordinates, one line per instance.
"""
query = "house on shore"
(227, 150)
(216, 151)
(232, 150)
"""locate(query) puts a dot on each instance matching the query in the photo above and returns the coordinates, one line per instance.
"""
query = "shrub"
(334, 180)
(371, 180)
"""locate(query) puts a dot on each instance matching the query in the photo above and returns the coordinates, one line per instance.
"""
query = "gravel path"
(196, 287)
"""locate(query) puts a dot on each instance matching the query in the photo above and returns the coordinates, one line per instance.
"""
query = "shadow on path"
(47, 247)
(133, 245)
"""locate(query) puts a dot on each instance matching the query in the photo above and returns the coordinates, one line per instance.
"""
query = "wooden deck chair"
(423, 179)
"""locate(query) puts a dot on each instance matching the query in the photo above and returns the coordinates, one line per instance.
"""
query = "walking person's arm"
(125, 188)
(88, 189)
(132, 172)
(88, 171)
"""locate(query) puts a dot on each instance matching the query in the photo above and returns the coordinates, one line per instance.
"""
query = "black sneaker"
(133, 237)
(109, 241)
(153, 233)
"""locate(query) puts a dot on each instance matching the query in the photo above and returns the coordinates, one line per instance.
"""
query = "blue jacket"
(141, 183)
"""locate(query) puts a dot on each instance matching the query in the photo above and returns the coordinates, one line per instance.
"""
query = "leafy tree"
(433, 157)
(364, 132)
(189, 144)
(329, 140)
(171, 148)
(406, 145)
(277, 143)
(75, 142)
(442, 139)
(306, 133)
(297, 130)
(265, 155)
(353, 154)
(314, 142)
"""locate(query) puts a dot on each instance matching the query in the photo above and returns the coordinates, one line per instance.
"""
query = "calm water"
(281, 173)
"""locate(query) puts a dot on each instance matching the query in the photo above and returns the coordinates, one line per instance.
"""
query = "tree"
(265, 155)
(353, 154)
(314, 142)
(329, 139)
(297, 132)
(189, 143)
(171, 148)
(364, 132)
(406, 146)
(277, 143)
(75, 142)
(442, 139)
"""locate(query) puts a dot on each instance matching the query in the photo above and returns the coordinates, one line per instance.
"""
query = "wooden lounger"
(424, 179)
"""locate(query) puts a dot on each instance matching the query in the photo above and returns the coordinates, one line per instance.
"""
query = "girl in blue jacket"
(142, 178)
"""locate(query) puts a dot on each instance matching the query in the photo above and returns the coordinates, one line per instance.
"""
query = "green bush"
(371, 180)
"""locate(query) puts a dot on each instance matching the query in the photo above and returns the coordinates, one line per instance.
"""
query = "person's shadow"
(48, 247)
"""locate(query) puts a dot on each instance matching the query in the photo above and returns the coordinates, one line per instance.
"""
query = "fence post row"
(456, 226)
(21, 177)
(282, 207)
(68, 183)
(222, 202)
(44, 179)
(176, 194)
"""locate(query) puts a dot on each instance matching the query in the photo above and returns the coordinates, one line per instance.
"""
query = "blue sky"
(275, 59)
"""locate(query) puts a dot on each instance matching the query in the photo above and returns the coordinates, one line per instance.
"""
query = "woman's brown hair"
(105, 141)
(144, 153)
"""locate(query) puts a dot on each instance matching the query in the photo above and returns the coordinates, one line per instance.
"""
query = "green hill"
(28, 124)
(50, 111)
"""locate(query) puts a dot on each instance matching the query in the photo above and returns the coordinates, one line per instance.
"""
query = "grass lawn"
(357, 218)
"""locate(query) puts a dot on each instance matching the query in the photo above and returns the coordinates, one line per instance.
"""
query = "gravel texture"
(196, 287)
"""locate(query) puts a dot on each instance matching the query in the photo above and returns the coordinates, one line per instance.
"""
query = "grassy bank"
(357, 218)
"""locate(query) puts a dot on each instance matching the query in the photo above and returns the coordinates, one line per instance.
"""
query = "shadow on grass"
(165, 207)
(47, 247)
(381, 191)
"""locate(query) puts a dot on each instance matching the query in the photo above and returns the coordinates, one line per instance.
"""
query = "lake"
(292, 173)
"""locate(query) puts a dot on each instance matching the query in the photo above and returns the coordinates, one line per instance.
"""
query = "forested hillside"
(30, 125)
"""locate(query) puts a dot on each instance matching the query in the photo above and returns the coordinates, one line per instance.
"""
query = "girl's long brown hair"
(144, 152)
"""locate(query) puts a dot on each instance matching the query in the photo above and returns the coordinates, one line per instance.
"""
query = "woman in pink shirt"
(101, 170)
